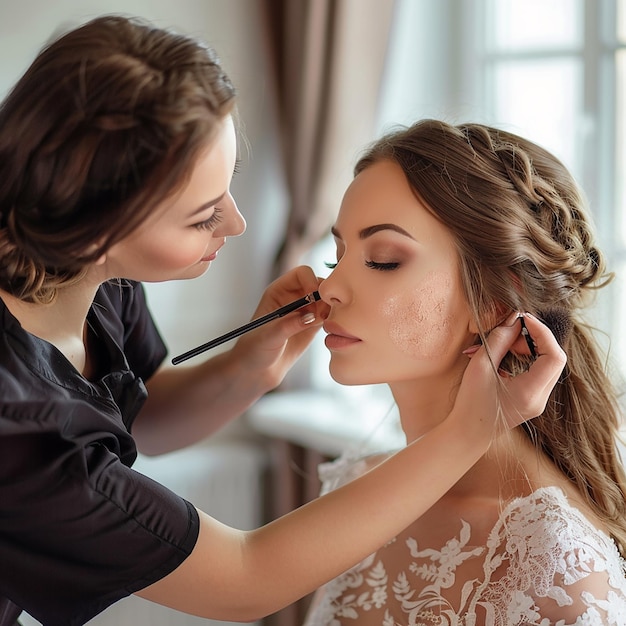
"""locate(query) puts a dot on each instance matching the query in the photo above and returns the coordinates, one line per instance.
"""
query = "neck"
(424, 403)
(65, 315)
(62, 322)
(512, 466)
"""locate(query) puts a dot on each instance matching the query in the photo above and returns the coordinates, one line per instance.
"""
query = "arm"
(239, 575)
(187, 403)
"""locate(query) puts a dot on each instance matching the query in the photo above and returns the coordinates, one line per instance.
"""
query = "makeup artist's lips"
(337, 337)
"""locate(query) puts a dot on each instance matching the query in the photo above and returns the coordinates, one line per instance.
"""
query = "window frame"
(600, 155)
(458, 42)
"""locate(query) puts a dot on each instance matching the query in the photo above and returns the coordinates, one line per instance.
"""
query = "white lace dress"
(542, 564)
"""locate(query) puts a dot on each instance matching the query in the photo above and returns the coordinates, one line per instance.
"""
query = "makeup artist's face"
(397, 307)
(184, 233)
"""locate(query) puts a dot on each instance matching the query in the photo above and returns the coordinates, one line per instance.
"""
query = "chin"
(195, 271)
(350, 378)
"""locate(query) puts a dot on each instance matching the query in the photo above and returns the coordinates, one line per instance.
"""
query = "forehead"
(381, 194)
(209, 174)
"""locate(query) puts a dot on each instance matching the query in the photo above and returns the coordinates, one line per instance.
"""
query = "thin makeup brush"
(281, 312)
(529, 340)
(557, 320)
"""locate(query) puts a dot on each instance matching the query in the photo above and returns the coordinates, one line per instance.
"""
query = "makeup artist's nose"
(234, 223)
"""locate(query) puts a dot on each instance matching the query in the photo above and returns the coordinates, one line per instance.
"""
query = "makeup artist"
(117, 148)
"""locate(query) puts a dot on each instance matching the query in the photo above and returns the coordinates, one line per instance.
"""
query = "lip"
(337, 337)
(212, 256)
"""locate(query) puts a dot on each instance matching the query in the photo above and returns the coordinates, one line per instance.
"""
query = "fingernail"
(472, 349)
(511, 319)
(308, 318)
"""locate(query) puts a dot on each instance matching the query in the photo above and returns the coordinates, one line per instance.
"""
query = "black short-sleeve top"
(80, 529)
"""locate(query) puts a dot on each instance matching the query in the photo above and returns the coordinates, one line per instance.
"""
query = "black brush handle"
(237, 332)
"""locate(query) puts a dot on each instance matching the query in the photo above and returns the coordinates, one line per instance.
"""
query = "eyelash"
(383, 267)
(212, 222)
(216, 218)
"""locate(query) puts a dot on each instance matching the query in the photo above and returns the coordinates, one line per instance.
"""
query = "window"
(555, 70)
(551, 70)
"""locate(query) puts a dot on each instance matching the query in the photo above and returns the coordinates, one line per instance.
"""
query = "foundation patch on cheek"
(420, 320)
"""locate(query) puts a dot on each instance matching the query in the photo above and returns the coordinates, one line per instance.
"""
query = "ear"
(93, 247)
(473, 326)
(494, 317)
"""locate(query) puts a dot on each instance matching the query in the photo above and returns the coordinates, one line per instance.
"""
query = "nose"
(334, 290)
(234, 223)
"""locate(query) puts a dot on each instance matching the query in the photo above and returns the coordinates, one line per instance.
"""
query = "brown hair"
(103, 125)
(526, 244)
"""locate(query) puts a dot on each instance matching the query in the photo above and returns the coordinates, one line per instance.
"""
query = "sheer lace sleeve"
(542, 564)
(547, 564)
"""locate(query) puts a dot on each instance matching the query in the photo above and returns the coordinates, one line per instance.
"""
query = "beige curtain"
(328, 58)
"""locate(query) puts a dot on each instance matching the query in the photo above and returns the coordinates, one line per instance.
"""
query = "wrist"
(477, 430)
(251, 382)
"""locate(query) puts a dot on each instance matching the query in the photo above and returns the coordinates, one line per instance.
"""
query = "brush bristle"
(559, 322)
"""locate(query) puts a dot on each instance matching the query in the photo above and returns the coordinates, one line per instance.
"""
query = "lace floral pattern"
(542, 564)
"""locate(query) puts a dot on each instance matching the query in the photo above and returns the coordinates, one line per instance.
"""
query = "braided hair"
(525, 243)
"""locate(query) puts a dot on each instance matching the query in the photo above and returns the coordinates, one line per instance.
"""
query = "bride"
(444, 232)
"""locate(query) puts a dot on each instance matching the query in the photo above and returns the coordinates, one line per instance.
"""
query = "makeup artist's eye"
(212, 222)
(329, 265)
(383, 267)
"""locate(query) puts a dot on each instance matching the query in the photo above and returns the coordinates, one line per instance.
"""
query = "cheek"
(420, 321)
(174, 254)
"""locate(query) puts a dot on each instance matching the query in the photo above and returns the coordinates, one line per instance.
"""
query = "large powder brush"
(559, 322)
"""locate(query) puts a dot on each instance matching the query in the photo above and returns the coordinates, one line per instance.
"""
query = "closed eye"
(383, 267)
(212, 222)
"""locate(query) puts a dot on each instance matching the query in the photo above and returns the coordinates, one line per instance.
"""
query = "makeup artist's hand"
(522, 397)
(206, 394)
(272, 349)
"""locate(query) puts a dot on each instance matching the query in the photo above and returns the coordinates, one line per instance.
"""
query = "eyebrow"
(208, 204)
(368, 231)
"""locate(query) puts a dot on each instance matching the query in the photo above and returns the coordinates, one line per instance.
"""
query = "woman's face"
(398, 312)
(185, 232)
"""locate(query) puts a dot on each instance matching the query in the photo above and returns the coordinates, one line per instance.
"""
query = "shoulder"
(546, 520)
(555, 555)
(121, 296)
(548, 508)
(122, 310)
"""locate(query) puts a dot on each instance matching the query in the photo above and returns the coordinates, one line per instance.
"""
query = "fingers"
(539, 339)
(294, 284)
(550, 357)
(503, 336)
(307, 278)
(295, 330)
(525, 396)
